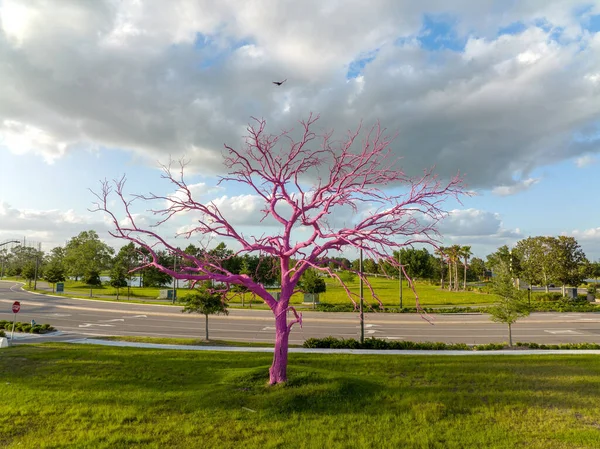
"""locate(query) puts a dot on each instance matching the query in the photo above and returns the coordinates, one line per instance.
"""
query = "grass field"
(387, 290)
(62, 396)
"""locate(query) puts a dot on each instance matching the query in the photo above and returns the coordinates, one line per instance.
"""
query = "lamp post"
(174, 278)
(362, 320)
(400, 276)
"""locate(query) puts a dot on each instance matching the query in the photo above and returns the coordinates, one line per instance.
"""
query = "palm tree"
(453, 253)
(457, 255)
(466, 254)
(440, 252)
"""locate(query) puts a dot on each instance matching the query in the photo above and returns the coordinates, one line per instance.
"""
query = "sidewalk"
(93, 341)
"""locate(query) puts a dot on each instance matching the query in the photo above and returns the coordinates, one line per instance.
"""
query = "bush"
(26, 327)
(324, 307)
(374, 343)
(564, 305)
(2, 334)
(546, 297)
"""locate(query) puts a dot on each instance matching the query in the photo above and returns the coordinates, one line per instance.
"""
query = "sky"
(505, 92)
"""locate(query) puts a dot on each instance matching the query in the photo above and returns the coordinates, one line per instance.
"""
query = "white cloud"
(474, 223)
(49, 227)
(21, 138)
(185, 79)
(518, 187)
(585, 161)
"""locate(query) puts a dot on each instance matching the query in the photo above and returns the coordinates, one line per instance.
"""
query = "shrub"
(564, 305)
(2, 334)
(547, 296)
(324, 307)
(374, 343)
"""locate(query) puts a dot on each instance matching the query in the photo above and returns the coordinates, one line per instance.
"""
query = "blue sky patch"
(592, 23)
(356, 67)
(439, 33)
(513, 28)
(213, 52)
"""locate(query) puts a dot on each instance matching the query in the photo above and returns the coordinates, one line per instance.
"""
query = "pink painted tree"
(277, 168)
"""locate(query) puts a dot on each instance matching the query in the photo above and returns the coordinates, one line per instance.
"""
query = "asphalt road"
(82, 317)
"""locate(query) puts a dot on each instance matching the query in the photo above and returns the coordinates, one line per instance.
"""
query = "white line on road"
(94, 324)
(565, 331)
(110, 321)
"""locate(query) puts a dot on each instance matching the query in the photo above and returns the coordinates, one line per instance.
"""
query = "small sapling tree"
(54, 273)
(118, 277)
(511, 305)
(312, 284)
(205, 300)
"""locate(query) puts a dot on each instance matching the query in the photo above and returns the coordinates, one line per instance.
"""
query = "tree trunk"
(278, 370)
(117, 294)
(510, 336)
(449, 275)
(564, 293)
(456, 276)
(442, 271)
(206, 327)
(465, 278)
(53, 285)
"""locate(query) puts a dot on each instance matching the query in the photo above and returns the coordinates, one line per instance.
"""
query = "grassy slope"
(62, 396)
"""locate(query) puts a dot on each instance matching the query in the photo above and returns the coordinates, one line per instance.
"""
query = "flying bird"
(279, 83)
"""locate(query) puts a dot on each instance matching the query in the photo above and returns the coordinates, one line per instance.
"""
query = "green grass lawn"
(64, 396)
(387, 290)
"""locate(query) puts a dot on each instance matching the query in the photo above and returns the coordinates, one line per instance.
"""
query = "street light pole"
(400, 276)
(362, 317)
(174, 278)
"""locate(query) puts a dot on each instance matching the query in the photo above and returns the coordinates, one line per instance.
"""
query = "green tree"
(245, 269)
(569, 262)
(28, 272)
(595, 270)
(86, 254)
(370, 266)
(92, 279)
(152, 277)
(478, 268)
(205, 301)
(510, 306)
(118, 277)
(417, 263)
(129, 258)
(465, 253)
(536, 261)
(54, 273)
(312, 283)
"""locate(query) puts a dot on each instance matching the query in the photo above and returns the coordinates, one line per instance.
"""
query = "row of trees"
(545, 261)
(541, 261)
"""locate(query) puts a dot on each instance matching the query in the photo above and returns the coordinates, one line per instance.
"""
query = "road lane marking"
(564, 331)
(94, 324)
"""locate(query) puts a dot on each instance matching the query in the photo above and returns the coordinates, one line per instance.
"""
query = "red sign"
(16, 307)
